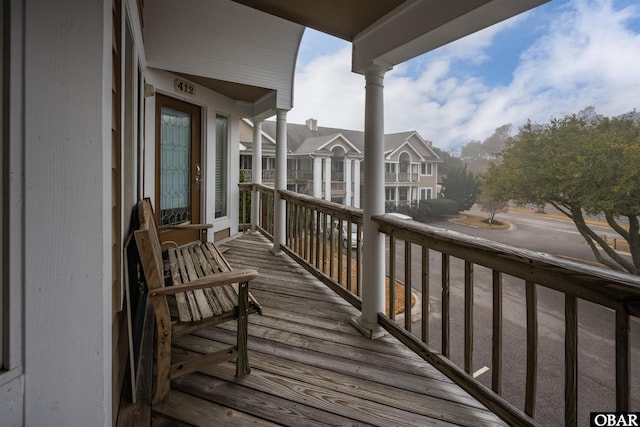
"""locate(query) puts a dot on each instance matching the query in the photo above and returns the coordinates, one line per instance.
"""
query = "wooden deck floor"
(309, 366)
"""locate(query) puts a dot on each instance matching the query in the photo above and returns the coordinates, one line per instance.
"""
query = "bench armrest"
(218, 279)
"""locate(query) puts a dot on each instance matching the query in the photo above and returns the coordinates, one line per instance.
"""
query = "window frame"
(221, 184)
(426, 169)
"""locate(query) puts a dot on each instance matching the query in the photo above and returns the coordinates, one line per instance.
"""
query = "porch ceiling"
(389, 32)
(340, 18)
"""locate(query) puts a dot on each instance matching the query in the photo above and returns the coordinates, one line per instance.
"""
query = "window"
(390, 194)
(426, 194)
(268, 163)
(427, 169)
(221, 166)
(246, 161)
(390, 167)
(405, 162)
(404, 193)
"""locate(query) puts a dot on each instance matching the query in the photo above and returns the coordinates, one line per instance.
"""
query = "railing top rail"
(335, 209)
(617, 290)
(249, 186)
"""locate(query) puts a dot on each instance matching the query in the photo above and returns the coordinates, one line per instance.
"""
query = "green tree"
(494, 196)
(461, 186)
(581, 168)
(449, 163)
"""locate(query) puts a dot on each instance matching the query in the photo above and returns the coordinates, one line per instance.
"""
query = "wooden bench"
(192, 287)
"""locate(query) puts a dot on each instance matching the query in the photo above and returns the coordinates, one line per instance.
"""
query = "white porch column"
(347, 181)
(317, 177)
(279, 214)
(356, 183)
(327, 178)
(373, 260)
(256, 175)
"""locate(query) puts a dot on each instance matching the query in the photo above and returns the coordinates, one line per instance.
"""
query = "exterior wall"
(67, 207)
(431, 181)
(12, 376)
(246, 131)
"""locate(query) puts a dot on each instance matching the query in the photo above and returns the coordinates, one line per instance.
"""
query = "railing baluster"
(623, 367)
(407, 285)
(301, 232)
(570, 361)
(324, 243)
(340, 250)
(359, 262)
(349, 256)
(445, 305)
(299, 222)
(318, 239)
(296, 223)
(496, 347)
(331, 244)
(425, 294)
(532, 348)
(392, 278)
(244, 206)
(307, 234)
(468, 317)
(310, 235)
(290, 225)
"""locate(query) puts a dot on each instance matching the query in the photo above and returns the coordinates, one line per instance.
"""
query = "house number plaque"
(184, 87)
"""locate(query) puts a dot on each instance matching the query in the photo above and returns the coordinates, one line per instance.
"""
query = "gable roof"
(302, 140)
(314, 144)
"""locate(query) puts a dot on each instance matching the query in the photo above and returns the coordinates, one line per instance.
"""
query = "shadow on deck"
(309, 366)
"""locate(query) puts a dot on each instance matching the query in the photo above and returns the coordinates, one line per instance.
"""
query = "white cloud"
(586, 55)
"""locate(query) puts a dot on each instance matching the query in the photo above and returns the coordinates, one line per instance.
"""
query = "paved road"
(596, 339)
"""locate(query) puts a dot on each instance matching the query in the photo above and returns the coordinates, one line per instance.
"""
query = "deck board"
(309, 366)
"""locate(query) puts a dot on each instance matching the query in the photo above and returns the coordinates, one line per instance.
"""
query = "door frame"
(196, 157)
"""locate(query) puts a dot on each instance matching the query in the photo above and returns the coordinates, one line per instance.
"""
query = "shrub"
(442, 207)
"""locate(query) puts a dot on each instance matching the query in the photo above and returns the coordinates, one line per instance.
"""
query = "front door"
(179, 170)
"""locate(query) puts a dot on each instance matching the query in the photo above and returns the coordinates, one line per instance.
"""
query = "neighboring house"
(327, 162)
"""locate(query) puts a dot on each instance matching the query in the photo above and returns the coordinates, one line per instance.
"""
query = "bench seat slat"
(191, 314)
(202, 305)
(223, 265)
(216, 297)
(198, 260)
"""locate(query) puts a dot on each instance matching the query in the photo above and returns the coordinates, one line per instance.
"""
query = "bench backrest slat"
(149, 246)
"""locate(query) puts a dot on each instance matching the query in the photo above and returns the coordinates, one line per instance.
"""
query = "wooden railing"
(575, 281)
(463, 265)
(265, 210)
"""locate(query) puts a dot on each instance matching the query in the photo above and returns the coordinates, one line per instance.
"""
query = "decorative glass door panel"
(175, 169)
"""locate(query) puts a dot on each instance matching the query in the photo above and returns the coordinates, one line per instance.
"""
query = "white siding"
(67, 230)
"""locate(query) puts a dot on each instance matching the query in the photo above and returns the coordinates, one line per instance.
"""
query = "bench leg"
(163, 357)
(242, 363)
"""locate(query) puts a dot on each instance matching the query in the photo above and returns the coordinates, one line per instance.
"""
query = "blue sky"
(554, 60)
